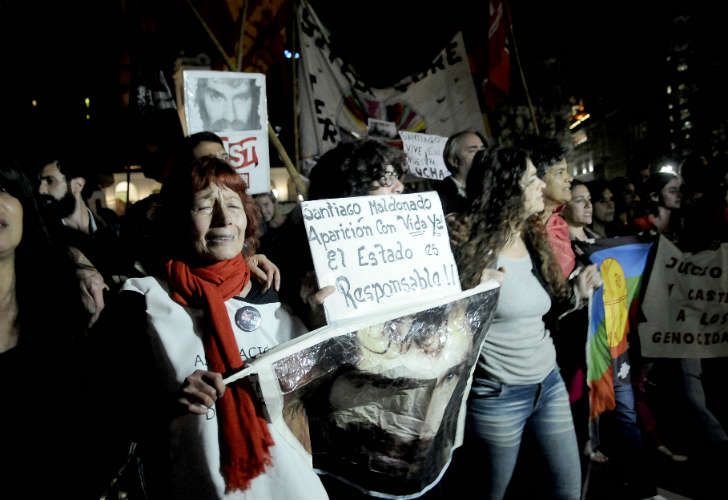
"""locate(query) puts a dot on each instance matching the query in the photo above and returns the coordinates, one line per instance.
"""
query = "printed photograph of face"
(384, 415)
(228, 104)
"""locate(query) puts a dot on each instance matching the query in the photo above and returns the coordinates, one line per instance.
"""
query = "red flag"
(497, 81)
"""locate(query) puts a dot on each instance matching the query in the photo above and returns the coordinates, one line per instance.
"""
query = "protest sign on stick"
(233, 106)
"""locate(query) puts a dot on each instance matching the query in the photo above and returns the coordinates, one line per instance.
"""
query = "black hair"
(543, 152)
(494, 187)
(205, 136)
(350, 168)
(44, 273)
(653, 186)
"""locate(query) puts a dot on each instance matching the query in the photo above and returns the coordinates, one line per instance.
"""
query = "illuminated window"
(669, 90)
(682, 67)
(687, 125)
(684, 114)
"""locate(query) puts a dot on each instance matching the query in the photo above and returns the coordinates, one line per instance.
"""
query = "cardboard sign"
(380, 251)
(425, 155)
(233, 106)
(381, 128)
(686, 304)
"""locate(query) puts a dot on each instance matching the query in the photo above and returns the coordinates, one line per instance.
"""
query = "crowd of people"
(115, 336)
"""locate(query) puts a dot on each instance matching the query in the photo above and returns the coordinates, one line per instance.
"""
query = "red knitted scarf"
(243, 435)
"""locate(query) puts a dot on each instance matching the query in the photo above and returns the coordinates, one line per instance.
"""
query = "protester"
(42, 325)
(662, 199)
(61, 184)
(603, 201)
(626, 206)
(548, 157)
(624, 443)
(458, 155)
(518, 361)
(205, 317)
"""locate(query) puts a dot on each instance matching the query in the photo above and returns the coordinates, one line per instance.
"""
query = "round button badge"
(247, 318)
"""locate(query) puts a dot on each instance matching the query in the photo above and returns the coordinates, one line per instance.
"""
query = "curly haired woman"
(517, 382)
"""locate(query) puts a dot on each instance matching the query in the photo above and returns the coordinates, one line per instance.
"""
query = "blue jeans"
(497, 416)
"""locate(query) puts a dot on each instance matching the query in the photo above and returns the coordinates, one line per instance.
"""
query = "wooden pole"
(228, 60)
(242, 36)
(297, 180)
(296, 132)
(531, 109)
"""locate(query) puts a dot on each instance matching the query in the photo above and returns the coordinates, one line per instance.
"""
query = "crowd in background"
(102, 314)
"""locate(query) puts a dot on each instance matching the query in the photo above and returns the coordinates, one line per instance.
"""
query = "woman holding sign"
(204, 319)
(517, 382)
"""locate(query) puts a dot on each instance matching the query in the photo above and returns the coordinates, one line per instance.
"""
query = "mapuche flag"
(613, 308)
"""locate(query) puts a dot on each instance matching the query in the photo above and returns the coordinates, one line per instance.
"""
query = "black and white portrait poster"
(380, 402)
(233, 106)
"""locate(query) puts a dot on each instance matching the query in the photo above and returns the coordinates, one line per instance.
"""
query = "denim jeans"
(497, 416)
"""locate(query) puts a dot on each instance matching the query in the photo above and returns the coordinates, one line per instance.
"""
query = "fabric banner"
(612, 312)
(686, 304)
(234, 106)
(384, 397)
(498, 80)
(335, 103)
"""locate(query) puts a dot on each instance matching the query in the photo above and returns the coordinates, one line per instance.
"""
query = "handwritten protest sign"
(686, 304)
(233, 106)
(424, 155)
(380, 251)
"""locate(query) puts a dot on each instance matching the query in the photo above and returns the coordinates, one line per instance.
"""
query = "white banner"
(234, 106)
(424, 155)
(380, 251)
(336, 103)
(686, 304)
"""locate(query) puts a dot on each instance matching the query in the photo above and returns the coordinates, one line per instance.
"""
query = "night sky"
(612, 55)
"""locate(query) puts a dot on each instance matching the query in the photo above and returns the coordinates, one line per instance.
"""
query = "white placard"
(381, 128)
(424, 155)
(686, 304)
(380, 252)
(234, 106)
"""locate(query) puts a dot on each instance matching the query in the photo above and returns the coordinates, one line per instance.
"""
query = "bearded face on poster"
(228, 104)
(383, 403)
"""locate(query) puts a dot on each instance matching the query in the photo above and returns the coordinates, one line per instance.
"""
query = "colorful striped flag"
(612, 310)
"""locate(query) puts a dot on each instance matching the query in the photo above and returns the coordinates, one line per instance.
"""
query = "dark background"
(610, 54)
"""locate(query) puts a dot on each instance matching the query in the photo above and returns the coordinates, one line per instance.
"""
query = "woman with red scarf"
(205, 318)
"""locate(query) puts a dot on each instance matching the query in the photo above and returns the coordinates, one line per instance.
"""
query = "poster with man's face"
(382, 399)
(233, 106)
